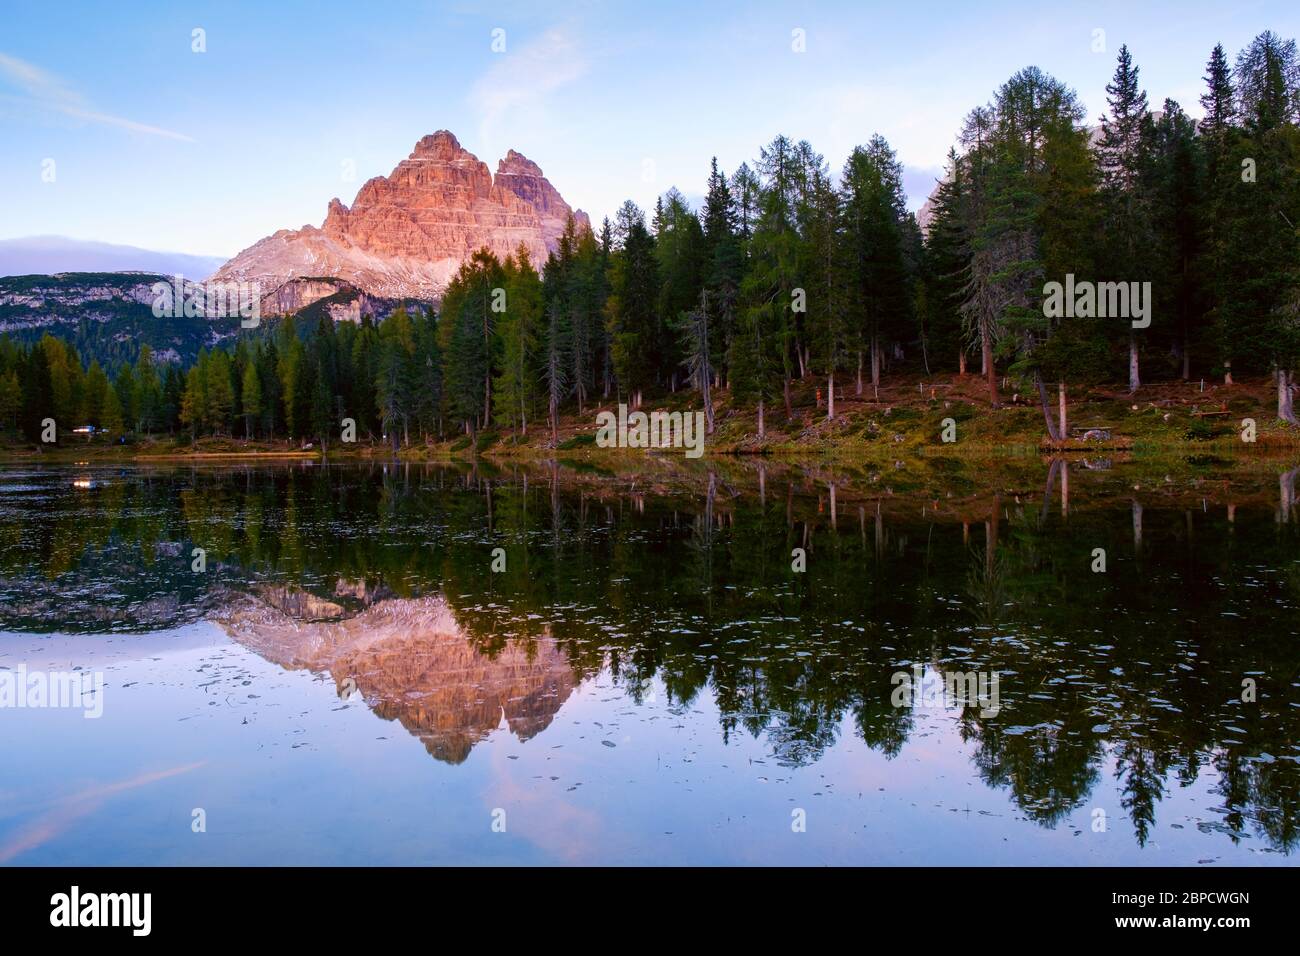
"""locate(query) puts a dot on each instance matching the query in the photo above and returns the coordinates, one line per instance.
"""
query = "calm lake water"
(703, 662)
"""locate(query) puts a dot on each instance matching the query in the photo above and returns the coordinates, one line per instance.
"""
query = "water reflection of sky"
(286, 771)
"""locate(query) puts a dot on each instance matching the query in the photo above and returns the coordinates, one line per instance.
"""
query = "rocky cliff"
(405, 234)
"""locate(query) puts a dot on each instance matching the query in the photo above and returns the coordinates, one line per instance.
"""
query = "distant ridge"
(53, 255)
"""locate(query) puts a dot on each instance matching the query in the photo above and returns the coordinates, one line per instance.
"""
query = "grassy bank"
(904, 419)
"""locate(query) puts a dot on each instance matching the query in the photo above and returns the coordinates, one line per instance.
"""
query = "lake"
(711, 662)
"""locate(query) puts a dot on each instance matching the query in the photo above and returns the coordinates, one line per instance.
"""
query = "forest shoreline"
(908, 419)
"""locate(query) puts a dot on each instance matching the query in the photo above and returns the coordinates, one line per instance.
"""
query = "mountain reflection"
(382, 577)
(410, 662)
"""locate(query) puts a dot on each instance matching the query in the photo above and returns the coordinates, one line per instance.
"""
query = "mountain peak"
(517, 164)
(406, 234)
(442, 145)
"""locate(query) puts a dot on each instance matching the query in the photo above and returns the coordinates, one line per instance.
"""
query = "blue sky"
(157, 146)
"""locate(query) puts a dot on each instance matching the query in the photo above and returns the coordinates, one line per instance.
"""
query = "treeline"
(1206, 212)
(789, 271)
(49, 381)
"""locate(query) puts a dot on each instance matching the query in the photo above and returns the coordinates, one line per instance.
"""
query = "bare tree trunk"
(1286, 493)
(1064, 427)
(1047, 411)
(830, 396)
(761, 431)
(708, 402)
(1053, 470)
(991, 536)
(961, 362)
(1285, 406)
(1134, 380)
(875, 365)
(1227, 371)
(859, 388)
(986, 351)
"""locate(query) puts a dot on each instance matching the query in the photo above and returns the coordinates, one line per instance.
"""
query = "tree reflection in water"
(380, 574)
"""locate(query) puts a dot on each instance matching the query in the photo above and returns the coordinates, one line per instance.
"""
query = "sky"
(114, 128)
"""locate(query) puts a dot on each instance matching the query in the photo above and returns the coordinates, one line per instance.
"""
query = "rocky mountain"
(311, 297)
(106, 315)
(407, 233)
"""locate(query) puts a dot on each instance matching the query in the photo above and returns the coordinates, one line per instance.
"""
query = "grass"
(894, 428)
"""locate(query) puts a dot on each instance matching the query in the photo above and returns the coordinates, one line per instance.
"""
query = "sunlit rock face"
(411, 662)
(407, 233)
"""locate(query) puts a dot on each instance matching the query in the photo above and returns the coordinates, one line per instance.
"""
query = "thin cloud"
(57, 819)
(520, 81)
(46, 91)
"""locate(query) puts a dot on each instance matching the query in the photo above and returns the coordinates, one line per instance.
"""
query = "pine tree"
(723, 264)
(427, 383)
(220, 393)
(1123, 154)
(251, 397)
(773, 288)
(1219, 134)
(633, 322)
(112, 415)
(1176, 183)
(874, 210)
(148, 391)
(679, 253)
(556, 367)
(173, 391)
(194, 401)
(1258, 309)
(96, 391)
(1034, 118)
(947, 262)
(694, 341)
(515, 394)
(824, 265)
(395, 375)
(11, 399)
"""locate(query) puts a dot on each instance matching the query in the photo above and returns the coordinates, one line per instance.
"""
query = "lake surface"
(699, 663)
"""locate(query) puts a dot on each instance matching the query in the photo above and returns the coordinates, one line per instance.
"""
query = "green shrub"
(580, 440)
